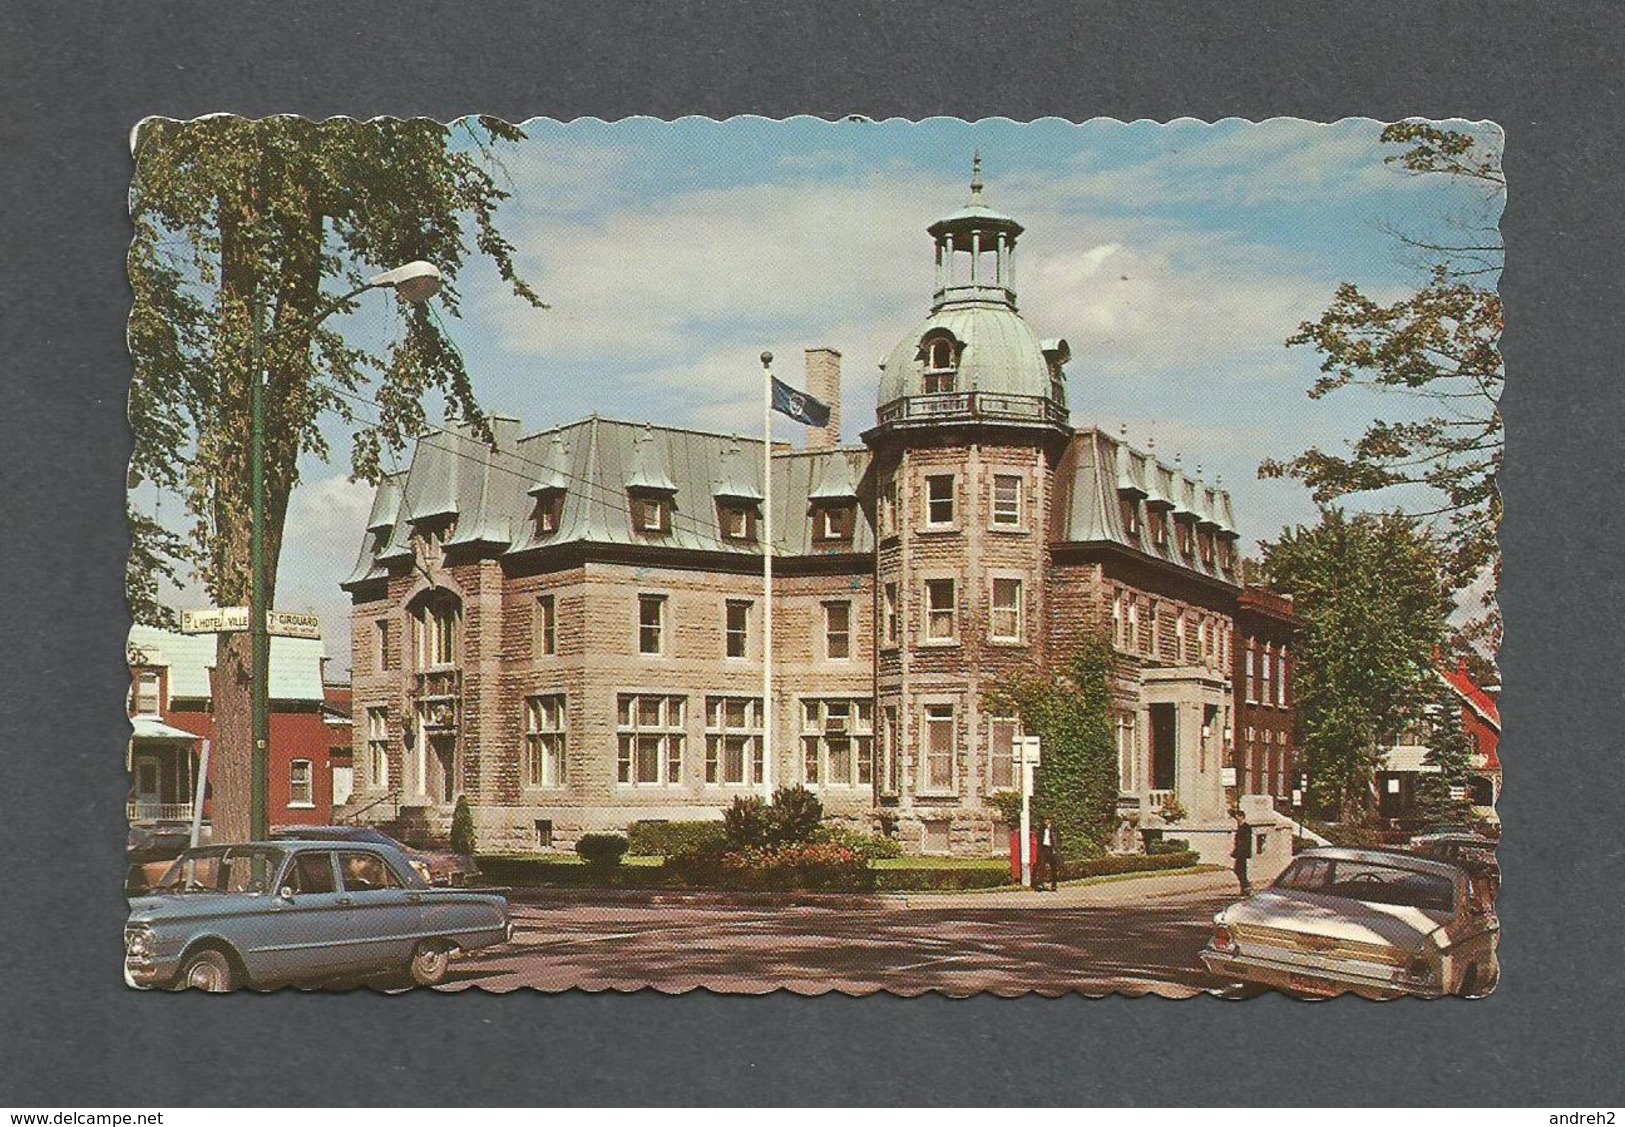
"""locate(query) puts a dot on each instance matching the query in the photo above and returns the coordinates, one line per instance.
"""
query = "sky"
(1175, 259)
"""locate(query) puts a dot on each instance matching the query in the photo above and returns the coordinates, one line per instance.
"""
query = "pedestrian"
(1049, 843)
(1242, 850)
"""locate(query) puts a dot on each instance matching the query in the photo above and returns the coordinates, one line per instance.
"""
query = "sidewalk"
(1132, 888)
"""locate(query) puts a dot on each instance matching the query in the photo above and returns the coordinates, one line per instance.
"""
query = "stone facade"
(567, 627)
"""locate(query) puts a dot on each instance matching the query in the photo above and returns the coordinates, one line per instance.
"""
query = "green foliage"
(745, 823)
(602, 849)
(1373, 604)
(868, 847)
(794, 817)
(1438, 349)
(887, 821)
(809, 866)
(1173, 810)
(1008, 804)
(663, 839)
(462, 827)
(1073, 714)
(1167, 845)
(1450, 749)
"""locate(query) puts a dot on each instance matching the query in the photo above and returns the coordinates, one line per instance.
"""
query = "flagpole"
(767, 576)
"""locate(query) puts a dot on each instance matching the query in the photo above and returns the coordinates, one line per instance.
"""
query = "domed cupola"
(974, 358)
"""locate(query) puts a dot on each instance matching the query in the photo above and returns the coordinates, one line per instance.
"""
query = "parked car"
(1376, 922)
(436, 866)
(149, 850)
(1473, 852)
(303, 913)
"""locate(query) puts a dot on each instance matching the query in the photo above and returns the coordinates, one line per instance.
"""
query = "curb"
(640, 897)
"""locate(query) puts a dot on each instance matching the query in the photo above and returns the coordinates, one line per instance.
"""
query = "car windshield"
(1371, 882)
(229, 868)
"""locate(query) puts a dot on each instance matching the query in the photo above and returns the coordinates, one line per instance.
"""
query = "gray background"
(75, 78)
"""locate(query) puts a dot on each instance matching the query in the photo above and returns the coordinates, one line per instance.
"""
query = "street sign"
(234, 620)
(215, 620)
(1029, 750)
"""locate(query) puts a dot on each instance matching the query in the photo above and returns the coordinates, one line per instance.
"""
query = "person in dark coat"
(1241, 848)
(1049, 843)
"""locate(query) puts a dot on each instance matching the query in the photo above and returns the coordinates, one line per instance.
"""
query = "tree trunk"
(232, 759)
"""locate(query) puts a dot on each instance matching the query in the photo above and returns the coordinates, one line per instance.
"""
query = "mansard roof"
(1095, 467)
(490, 492)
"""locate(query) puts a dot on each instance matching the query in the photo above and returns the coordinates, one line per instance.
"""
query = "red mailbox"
(1015, 854)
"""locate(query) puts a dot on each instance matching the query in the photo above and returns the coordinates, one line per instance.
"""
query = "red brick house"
(1264, 742)
(171, 715)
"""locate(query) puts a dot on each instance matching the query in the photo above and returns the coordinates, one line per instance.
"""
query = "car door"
(304, 925)
(384, 914)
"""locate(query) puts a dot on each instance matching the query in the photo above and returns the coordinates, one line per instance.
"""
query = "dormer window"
(738, 521)
(833, 522)
(1130, 508)
(941, 355)
(1204, 540)
(146, 697)
(1159, 527)
(1186, 535)
(651, 513)
(548, 512)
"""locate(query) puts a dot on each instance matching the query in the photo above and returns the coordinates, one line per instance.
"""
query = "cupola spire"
(975, 249)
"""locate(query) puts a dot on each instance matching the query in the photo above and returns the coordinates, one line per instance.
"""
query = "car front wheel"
(208, 970)
(430, 962)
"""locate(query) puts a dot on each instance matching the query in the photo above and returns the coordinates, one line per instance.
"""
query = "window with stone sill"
(378, 748)
(547, 637)
(838, 631)
(837, 740)
(890, 634)
(888, 505)
(1007, 495)
(652, 624)
(651, 730)
(733, 741)
(939, 500)
(1008, 611)
(736, 627)
(1001, 743)
(544, 740)
(940, 611)
(383, 654)
(940, 742)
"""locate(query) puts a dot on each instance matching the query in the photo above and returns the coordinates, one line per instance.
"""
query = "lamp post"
(415, 282)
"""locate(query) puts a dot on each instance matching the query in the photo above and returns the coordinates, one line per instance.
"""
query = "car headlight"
(1223, 940)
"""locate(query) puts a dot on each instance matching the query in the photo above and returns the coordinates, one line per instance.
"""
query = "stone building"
(566, 626)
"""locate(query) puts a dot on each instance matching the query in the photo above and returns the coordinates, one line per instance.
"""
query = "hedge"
(662, 839)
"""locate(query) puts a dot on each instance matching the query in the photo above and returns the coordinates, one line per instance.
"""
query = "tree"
(1450, 749)
(1373, 603)
(233, 216)
(462, 827)
(1074, 715)
(1437, 348)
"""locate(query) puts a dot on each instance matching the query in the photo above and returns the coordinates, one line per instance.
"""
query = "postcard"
(925, 557)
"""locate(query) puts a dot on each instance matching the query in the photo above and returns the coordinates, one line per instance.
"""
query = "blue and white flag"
(800, 406)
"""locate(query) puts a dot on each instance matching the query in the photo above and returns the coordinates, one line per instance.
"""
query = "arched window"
(437, 618)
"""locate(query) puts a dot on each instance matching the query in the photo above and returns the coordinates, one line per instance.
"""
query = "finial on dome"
(976, 177)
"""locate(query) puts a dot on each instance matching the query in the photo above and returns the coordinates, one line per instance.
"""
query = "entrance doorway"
(442, 781)
(1164, 735)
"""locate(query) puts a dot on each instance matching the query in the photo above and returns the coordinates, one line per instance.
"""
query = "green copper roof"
(1000, 354)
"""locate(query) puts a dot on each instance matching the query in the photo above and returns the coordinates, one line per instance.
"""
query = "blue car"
(302, 913)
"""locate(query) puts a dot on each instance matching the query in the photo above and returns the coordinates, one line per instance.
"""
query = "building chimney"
(824, 385)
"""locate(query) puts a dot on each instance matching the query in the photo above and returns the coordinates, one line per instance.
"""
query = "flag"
(800, 406)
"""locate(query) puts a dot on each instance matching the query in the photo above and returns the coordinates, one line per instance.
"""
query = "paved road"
(954, 945)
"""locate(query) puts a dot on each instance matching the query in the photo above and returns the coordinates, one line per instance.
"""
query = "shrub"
(462, 827)
(1008, 803)
(794, 816)
(1113, 863)
(887, 821)
(1173, 810)
(812, 866)
(868, 847)
(601, 849)
(745, 824)
(939, 880)
(1167, 845)
(664, 839)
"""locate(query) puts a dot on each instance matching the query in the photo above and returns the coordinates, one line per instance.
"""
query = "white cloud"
(322, 538)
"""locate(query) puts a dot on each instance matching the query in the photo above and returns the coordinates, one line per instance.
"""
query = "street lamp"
(416, 282)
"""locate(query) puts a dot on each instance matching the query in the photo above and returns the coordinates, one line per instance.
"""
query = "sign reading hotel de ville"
(730, 510)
